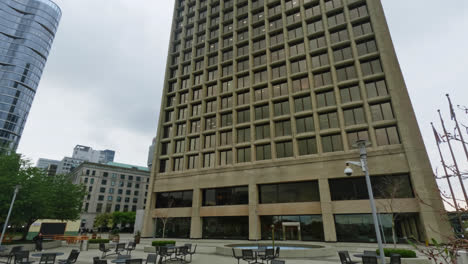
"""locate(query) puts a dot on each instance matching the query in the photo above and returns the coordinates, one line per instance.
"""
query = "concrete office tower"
(262, 103)
(151, 153)
(89, 154)
(27, 29)
(49, 165)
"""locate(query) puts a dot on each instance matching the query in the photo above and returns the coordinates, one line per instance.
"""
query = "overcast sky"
(103, 81)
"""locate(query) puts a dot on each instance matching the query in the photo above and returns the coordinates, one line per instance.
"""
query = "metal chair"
(395, 259)
(11, 255)
(72, 258)
(235, 256)
(345, 258)
(269, 255)
(134, 261)
(163, 254)
(151, 259)
(277, 261)
(248, 255)
(120, 247)
(22, 257)
(189, 246)
(277, 252)
(181, 253)
(192, 252)
(47, 258)
(369, 259)
(103, 249)
(261, 250)
(131, 246)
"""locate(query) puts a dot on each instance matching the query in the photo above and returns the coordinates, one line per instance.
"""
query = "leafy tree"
(40, 197)
(104, 220)
(123, 218)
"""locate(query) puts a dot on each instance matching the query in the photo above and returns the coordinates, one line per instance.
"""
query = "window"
(301, 84)
(196, 94)
(331, 4)
(358, 12)
(261, 112)
(211, 90)
(307, 146)
(317, 42)
(278, 71)
(326, 99)
(354, 116)
(243, 155)
(328, 120)
(332, 143)
(259, 30)
(168, 116)
(210, 106)
(382, 111)
(227, 70)
(163, 166)
(376, 88)
(274, 10)
(225, 196)
(261, 94)
(208, 160)
(280, 89)
(302, 104)
(298, 66)
(284, 149)
(181, 129)
(294, 18)
(178, 164)
(243, 50)
(362, 29)
(243, 135)
(194, 143)
(222, 227)
(212, 75)
(179, 146)
(260, 60)
(210, 141)
(260, 77)
(242, 65)
(357, 135)
(182, 113)
(225, 138)
(350, 94)
(243, 98)
(263, 152)
(212, 60)
(243, 81)
(322, 79)
(227, 55)
(342, 54)
(371, 67)
(320, 60)
(387, 136)
(305, 124)
(243, 116)
(210, 123)
(277, 55)
(226, 120)
(366, 47)
(275, 24)
(262, 131)
(283, 128)
(259, 44)
(315, 26)
(295, 32)
(276, 39)
(339, 35)
(336, 19)
(196, 110)
(313, 10)
(281, 108)
(225, 157)
(195, 126)
(174, 199)
(346, 73)
(294, 192)
(226, 102)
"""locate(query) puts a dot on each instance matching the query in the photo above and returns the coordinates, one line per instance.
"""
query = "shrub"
(404, 253)
(98, 241)
(163, 243)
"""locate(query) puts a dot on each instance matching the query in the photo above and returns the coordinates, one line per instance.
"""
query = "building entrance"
(291, 231)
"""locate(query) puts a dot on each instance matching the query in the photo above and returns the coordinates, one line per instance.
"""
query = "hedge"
(404, 253)
(98, 241)
(163, 243)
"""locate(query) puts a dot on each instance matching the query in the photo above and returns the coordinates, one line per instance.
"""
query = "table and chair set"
(262, 253)
(17, 255)
(368, 257)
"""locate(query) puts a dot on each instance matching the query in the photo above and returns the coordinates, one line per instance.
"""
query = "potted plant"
(137, 237)
(115, 235)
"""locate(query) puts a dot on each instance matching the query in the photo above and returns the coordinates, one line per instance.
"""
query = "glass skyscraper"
(27, 30)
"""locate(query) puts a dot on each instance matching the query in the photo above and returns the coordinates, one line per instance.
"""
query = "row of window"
(107, 208)
(105, 174)
(114, 183)
(284, 149)
(384, 187)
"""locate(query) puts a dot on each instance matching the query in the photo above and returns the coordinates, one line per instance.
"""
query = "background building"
(111, 187)
(51, 166)
(27, 29)
(262, 103)
(151, 153)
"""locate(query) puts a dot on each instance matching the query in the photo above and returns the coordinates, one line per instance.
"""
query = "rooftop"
(127, 166)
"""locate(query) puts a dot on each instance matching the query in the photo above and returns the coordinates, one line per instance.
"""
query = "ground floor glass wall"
(177, 227)
(226, 227)
(311, 227)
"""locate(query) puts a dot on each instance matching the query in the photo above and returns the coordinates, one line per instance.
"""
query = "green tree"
(123, 218)
(103, 220)
(40, 197)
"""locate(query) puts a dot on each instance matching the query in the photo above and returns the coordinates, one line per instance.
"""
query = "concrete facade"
(343, 44)
(110, 188)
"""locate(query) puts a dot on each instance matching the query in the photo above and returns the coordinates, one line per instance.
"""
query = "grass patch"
(162, 243)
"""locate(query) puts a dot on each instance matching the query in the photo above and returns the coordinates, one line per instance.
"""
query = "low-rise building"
(111, 187)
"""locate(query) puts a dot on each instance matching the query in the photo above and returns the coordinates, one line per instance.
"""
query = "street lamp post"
(361, 144)
(17, 187)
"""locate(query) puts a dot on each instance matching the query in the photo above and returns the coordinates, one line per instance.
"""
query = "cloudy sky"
(103, 81)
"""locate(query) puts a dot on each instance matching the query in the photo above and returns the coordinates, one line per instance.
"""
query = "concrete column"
(148, 229)
(327, 211)
(254, 219)
(196, 223)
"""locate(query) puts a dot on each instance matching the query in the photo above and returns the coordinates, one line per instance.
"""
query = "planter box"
(96, 245)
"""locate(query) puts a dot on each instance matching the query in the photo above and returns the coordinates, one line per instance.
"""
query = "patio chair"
(163, 254)
(22, 257)
(191, 253)
(99, 261)
(131, 246)
(277, 252)
(120, 247)
(248, 255)
(103, 249)
(261, 250)
(277, 261)
(134, 261)
(369, 259)
(11, 255)
(345, 258)
(181, 253)
(268, 256)
(151, 259)
(72, 258)
(47, 258)
(95, 260)
(235, 256)
(395, 259)
(189, 246)
(370, 253)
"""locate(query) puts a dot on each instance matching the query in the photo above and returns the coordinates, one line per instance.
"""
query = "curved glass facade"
(27, 30)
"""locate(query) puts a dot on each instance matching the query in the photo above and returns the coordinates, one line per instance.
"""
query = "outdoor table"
(121, 259)
(173, 250)
(256, 251)
(38, 255)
